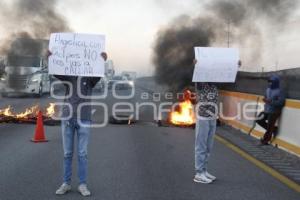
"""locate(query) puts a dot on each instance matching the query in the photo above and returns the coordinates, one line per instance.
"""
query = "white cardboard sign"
(216, 64)
(76, 54)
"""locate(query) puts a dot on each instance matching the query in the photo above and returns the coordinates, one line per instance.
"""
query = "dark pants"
(268, 121)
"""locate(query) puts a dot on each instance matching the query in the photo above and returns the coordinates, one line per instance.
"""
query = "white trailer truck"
(26, 72)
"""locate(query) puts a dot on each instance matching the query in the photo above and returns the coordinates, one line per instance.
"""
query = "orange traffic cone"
(39, 135)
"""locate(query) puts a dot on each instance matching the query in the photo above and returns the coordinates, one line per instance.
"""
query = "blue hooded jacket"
(275, 94)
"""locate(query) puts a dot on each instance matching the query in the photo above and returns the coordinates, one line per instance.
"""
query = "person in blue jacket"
(274, 102)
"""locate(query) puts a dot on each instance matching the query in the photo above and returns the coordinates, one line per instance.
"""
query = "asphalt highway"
(140, 161)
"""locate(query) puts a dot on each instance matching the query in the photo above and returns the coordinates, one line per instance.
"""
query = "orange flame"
(185, 116)
(6, 112)
(50, 110)
(29, 112)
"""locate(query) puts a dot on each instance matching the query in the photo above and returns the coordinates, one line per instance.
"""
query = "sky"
(131, 28)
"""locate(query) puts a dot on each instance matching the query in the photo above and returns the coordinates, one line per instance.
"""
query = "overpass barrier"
(288, 137)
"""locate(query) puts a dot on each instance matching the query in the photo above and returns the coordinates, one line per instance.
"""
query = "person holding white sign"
(207, 107)
(76, 122)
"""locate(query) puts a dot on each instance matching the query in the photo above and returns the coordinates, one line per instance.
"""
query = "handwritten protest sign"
(215, 64)
(76, 54)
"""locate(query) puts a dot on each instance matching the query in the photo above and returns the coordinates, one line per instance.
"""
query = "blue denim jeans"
(69, 129)
(205, 131)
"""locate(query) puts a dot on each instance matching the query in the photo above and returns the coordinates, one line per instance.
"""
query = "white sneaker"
(63, 189)
(209, 176)
(201, 178)
(83, 190)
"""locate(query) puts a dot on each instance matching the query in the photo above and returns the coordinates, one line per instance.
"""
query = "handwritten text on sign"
(76, 54)
(216, 64)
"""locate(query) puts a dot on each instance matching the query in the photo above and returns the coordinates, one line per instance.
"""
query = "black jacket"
(86, 85)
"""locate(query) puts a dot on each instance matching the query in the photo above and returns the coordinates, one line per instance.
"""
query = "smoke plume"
(173, 48)
(29, 20)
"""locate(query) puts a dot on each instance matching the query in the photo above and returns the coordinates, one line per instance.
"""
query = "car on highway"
(100, 86)
(129, 74)
(120, 82)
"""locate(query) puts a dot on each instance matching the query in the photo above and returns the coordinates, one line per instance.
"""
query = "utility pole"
(228, 33)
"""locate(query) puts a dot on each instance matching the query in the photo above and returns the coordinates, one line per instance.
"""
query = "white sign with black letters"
(76, 54)
(216, 64)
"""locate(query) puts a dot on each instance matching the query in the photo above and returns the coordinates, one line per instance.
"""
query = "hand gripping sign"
(75, 54)
(216, 64)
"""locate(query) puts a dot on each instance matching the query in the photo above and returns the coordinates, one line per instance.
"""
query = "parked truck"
(26, 71)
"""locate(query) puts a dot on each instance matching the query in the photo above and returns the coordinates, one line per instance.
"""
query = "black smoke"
(173, 48)
(26, 22)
